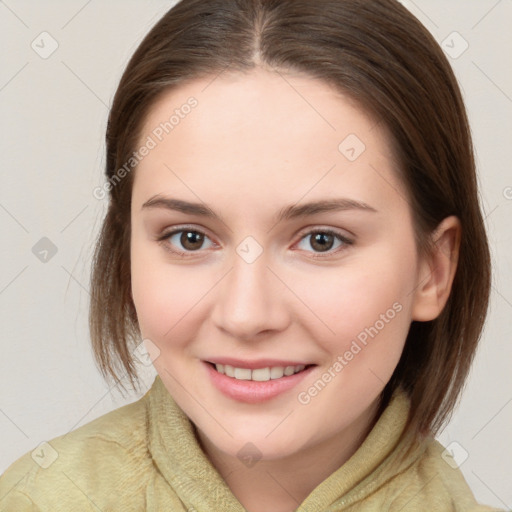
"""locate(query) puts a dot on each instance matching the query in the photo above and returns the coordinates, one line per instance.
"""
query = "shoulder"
(435, 482)
(103, 456)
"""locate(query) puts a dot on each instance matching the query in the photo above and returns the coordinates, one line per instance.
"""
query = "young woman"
(294, 232)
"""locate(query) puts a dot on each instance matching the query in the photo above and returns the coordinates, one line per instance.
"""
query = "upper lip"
(258, 363)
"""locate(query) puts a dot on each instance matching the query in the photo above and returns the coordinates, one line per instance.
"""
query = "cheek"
(361, 303)
(167, 298)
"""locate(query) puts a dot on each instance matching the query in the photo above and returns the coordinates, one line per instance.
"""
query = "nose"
(251, 300)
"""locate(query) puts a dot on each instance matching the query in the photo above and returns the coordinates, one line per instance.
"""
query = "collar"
(180, 459)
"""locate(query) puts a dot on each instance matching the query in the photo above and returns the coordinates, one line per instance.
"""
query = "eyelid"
(164, 237)
(309, 230)
(345, 240)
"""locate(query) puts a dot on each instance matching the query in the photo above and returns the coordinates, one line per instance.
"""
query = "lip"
(252, 392)
(258, 363)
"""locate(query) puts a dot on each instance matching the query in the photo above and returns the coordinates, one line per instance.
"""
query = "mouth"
(259, 374)
(257, 384)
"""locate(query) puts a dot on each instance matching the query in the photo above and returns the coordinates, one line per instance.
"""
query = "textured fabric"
(146, 456)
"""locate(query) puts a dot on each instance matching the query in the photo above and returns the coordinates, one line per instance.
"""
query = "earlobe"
(437, 270)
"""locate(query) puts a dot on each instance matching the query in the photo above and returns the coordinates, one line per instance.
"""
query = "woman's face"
(252, 277)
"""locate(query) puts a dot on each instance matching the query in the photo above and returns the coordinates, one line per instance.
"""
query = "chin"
(258, 445)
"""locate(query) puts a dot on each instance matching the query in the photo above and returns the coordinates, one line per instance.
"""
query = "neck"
(281, 485)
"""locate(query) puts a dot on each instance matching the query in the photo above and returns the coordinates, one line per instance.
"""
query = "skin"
(255, 143)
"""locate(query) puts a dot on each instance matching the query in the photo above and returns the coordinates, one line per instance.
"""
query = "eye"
(323, 240)
(187, 240)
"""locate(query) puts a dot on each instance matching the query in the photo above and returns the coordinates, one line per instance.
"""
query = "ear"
(437, 270)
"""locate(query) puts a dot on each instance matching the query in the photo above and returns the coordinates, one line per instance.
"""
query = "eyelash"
(163, 240)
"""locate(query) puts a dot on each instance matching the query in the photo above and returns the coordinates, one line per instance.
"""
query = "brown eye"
(191, 240)
(184, 241)
(322, 241)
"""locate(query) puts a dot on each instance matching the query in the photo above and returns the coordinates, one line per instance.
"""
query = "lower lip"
(251, 391)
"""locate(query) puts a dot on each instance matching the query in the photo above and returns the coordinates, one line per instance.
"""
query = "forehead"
(266, 132)
(274, 103)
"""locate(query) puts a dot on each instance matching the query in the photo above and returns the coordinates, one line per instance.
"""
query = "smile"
(257, 384)
(259, 374)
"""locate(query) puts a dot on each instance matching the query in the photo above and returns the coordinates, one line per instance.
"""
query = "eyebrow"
(287, 213)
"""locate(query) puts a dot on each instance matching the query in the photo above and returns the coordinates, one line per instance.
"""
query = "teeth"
(258, 374)
(242, 373)
(261, 374)
(277, 372)
(289, 370)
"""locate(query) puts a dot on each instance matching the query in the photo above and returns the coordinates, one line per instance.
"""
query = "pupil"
(191, 238)
(320, 239)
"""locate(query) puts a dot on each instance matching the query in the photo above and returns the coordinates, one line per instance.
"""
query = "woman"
(294, 232)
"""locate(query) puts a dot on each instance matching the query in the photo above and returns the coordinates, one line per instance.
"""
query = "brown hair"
(381, 56)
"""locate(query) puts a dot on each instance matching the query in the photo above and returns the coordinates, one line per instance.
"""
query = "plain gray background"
(53, 112)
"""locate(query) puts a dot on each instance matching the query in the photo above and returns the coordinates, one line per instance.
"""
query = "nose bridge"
(250, 298)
